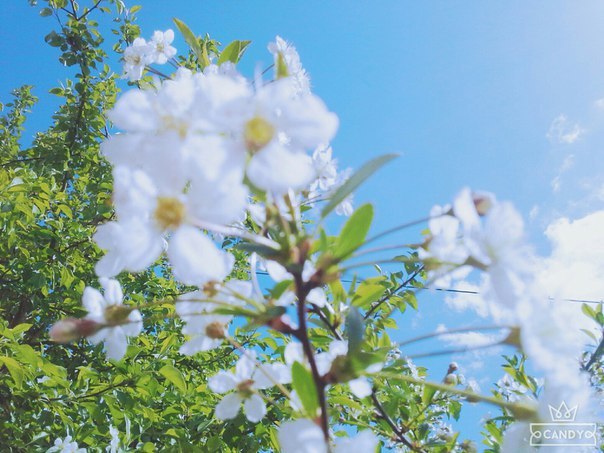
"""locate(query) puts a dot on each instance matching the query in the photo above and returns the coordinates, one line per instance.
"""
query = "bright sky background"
(501, 96)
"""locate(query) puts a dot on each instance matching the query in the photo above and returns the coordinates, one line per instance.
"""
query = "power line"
(477, 293)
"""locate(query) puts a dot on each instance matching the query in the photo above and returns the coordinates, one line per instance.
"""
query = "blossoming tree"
(231, 317)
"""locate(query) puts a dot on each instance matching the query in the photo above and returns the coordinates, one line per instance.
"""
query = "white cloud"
(468, 339)
(534, 212)
(567, 164)
(575, 268)
(561, 131)
(463, 301)
(599, 103)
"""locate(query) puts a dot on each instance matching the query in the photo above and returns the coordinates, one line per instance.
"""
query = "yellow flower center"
(117, 314)
(257, 133)
(245, 388)
(174, 124)
(169, 213)
(211, 288)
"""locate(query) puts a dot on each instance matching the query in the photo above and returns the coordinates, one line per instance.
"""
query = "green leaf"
(428, 395)
(355, 330)
(134, 9)
(282, 70)
(233, 51)
(367, 293)
(354, 232)
(45, 12)
(15, 369)
(20, 328)
(588, 311)
(355, 181)
(304, 386)
(193, 42)
(174, 376)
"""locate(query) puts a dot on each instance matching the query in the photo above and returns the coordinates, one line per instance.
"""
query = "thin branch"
(454, 351)
(595, 356)
(316, 310)
(451, 331)
(383, 299)
(397, 430)
(88, 11)
(302, 291)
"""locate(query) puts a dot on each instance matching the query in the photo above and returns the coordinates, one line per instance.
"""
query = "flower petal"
(222, 382)
(360, 387)
(116, 343)
(255, 409)
(113, 291)
(94, 302)
(228, 407)
(195, 258)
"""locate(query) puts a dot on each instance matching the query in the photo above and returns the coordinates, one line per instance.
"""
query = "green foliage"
(53, 195)
(233, 52)
(55, 191)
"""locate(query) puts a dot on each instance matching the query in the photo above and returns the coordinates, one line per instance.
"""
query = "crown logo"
(562, 413)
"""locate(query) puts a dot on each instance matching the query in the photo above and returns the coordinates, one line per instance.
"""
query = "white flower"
(207, 331)
(290, 57)
(510, 389)
(146, 215)
(67, 445)
(160, 49)
(301, 436)
(326, 168)
(276, 169)
(574, 394)
(246, 381)
(136, 57)
(120, 321)
(360, 387)
(295, 353)
(444, 245)
(553, 346)
(113, 447)
(130, 246)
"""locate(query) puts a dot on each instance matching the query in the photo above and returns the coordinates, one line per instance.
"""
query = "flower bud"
(71, 329)
(483, 202)
(281, 324)
(513, 338)
(450, 379)
(215, 330)
(341, 370)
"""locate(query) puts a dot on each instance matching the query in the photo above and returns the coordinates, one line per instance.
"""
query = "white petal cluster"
(190, 151)
(142, 53)
(482, 233)
(118, 321)
(66, 445)
(289, 56)
(249, 377)
(206, 330)
(305, 436)
(329, 179)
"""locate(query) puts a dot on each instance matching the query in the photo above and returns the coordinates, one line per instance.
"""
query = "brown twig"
(397, 430)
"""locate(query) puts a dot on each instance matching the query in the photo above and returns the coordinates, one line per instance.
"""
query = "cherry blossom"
(116, 321)
(248, 378)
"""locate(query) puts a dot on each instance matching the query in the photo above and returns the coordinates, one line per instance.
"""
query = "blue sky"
(500, 96)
